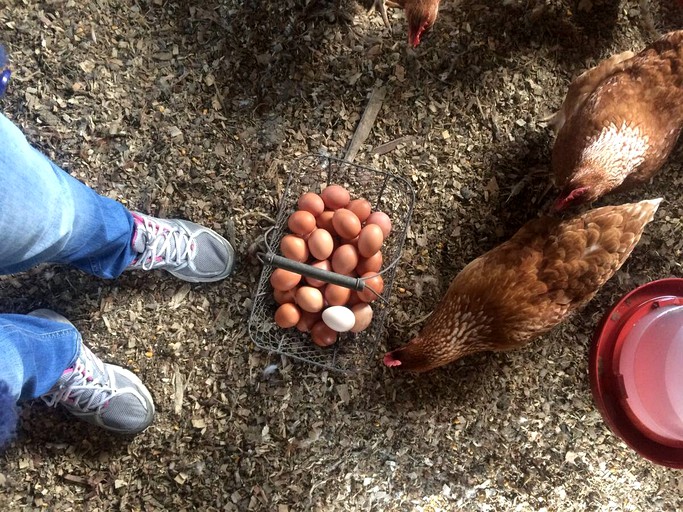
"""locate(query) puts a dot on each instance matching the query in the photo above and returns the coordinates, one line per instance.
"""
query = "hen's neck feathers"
(460, 321)
(617, 151)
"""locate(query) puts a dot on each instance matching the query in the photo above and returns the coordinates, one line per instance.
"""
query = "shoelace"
(71, 391)
(162, 246)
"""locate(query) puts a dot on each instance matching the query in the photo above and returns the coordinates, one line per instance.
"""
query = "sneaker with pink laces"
(103, 394)
(187, 250)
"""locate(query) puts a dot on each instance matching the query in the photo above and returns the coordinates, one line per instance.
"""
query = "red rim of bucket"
(603, 381)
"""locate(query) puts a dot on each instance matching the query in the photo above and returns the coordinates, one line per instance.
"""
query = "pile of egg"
(332, 232)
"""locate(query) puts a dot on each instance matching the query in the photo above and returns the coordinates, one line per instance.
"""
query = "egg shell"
(371, 264)
(325, 265)
(355, 299)
(361, 208)
(339, 318)
(309, 299)
(320, 244)
(382, 220)
(284, 280)
(345, 259)
(301, 222)
(294, 247)
(287, 315)
(308, 320)
(363, 314)
(311, 202)
(373, 281)
(335, 197)
(322, 335)
(336, 295)
(284, 297)
(346, 224)
(370, 240)
(324, 221)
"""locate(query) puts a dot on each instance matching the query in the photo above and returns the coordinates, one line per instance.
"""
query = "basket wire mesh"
(386, 192)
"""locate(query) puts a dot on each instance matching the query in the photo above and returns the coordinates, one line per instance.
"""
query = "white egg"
(339, 318)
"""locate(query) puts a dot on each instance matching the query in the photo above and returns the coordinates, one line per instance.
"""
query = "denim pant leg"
(35, 352)
(46, 215)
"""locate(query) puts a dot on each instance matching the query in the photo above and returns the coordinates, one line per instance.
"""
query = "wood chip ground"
(188, 109)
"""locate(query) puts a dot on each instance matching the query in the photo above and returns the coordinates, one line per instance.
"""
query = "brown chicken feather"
(527, 285)
(420, 15)
(583, 86)
(621, 121)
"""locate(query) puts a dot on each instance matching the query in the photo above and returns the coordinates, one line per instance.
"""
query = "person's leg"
(44, 357)
(35, 353)
(46, 215)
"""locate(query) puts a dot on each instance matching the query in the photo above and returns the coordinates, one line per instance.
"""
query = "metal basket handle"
(354, 283)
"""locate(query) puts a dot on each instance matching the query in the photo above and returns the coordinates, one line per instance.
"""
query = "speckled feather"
(527, 285)
(635, 107)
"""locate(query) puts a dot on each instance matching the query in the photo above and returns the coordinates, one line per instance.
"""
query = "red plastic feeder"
(636, 370)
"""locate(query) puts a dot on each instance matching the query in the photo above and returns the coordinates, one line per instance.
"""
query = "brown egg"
(370, 240)
(284, 280)
(382, 220)
(336, 295)
(371, 264)
(373, 281)
(309, 299)
(301, 222)
(284, 297)
(308, 320)
(355, 299)
(346, 224)
(287, 315)
(294, 247)
(325, 265)
(324, 221)
(361, 207)
(345, 259)
(335, 197)
(363, 314)
(322, 335)
(320, 244)
(311, 202)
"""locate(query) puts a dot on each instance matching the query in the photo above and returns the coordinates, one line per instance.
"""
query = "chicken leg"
(380, 6)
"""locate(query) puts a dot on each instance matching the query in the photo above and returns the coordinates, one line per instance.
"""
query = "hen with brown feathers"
(527, 285)
(420, 15)
(619, 122)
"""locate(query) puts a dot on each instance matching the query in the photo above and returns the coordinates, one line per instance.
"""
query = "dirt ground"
(190, 109)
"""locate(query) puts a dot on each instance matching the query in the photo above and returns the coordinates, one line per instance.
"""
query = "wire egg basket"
(386, 192)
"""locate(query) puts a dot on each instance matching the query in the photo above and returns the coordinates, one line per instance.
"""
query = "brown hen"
(420, 14)
(619, 122)
(527, 285)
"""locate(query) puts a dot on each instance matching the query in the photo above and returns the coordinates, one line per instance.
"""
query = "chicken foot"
(380, 6)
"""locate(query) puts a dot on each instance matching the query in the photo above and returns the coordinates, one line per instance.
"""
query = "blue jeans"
(48, 216)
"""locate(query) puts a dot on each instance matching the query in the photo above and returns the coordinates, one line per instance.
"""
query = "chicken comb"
(562, 202)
